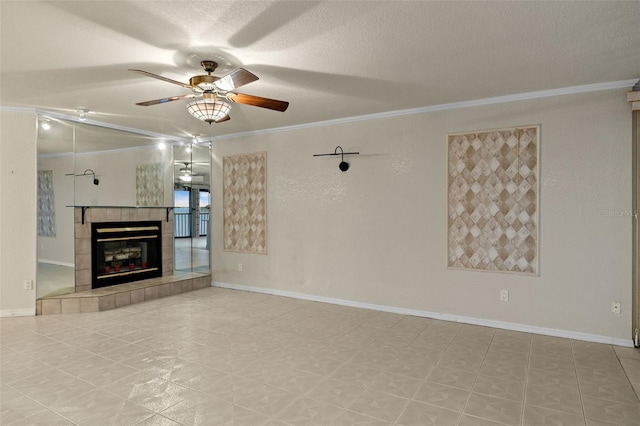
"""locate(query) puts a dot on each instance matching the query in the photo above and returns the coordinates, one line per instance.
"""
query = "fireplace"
(123, 252)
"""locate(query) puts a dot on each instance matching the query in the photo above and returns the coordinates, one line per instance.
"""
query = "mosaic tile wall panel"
(245, 202)
(150, 185)
(46, 206)
(493, 200)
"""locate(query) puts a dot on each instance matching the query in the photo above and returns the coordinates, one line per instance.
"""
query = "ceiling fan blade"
(225, 118)
(258, 101)
(165, 100)
(236, 78)
(159, 77)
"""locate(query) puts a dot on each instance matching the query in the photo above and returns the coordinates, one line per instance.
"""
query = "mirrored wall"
(192, 201)
(83, 164)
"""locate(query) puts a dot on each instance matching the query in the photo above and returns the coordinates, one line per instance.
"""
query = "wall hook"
(343, 166)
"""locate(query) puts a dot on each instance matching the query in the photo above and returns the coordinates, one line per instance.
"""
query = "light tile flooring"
(225, 357)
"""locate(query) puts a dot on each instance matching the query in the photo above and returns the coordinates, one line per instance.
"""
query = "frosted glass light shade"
(208, 110)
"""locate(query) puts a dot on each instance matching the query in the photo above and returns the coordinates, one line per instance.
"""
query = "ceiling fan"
(187, 174)
(213, 91)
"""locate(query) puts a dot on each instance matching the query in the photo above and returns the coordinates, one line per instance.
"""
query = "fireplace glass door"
(125, 252)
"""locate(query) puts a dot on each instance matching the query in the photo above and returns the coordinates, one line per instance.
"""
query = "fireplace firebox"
(123, 252)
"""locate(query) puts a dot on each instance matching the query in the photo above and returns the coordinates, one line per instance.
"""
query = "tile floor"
(225, 357)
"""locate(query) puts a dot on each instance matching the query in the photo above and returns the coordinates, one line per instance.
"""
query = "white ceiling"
(329, 59)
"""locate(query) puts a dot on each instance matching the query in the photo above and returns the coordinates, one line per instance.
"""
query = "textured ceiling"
(329, 59)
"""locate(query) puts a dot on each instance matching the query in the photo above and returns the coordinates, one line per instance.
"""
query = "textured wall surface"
(18, 212)
(378, 232)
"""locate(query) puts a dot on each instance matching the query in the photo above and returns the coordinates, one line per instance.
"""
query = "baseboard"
(435, 315)
(55, 262)
(25, 312)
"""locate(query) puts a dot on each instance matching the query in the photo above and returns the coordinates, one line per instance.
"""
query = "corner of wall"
(18, 207)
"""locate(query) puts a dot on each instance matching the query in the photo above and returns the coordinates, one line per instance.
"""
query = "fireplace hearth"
(123, 252)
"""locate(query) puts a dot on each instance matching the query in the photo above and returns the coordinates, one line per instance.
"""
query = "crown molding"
(572, 90)
(73, 118)
(587, 88)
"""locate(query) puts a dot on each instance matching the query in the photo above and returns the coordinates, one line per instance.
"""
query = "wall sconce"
(95, 181)
(343, 166)
(87, 172)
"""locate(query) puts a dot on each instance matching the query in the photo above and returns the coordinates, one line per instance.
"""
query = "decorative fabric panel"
(46, 206)
(493, 200)
(245, 203)
(150, 185)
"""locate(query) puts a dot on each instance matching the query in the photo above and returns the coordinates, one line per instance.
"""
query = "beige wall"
(377, 233)
(18, 227)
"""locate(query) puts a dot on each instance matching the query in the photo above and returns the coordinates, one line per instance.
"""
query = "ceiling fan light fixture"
(208, 109)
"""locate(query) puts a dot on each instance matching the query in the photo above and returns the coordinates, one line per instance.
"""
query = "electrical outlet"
(28, 284)
(615, 307)
(240, 267)
(504, 295)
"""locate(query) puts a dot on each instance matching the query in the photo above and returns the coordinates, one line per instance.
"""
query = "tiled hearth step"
(105, 298)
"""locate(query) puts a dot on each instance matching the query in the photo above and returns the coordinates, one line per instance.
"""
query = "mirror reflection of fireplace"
(123, 252)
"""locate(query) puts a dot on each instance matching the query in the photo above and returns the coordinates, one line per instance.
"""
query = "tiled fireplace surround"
(86, 299)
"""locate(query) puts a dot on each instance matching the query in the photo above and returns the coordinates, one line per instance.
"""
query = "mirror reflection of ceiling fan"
(187, 174)
(214, 92)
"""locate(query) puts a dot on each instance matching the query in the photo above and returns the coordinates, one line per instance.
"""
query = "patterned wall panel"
(150, 185)
(493, 200)
(46, 206)
(245, 202)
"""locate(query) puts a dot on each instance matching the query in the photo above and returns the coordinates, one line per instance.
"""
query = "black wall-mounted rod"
(336, 153)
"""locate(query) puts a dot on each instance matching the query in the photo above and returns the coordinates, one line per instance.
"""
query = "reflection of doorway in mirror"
(192, 170)
(182, 228)
(205, 216)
